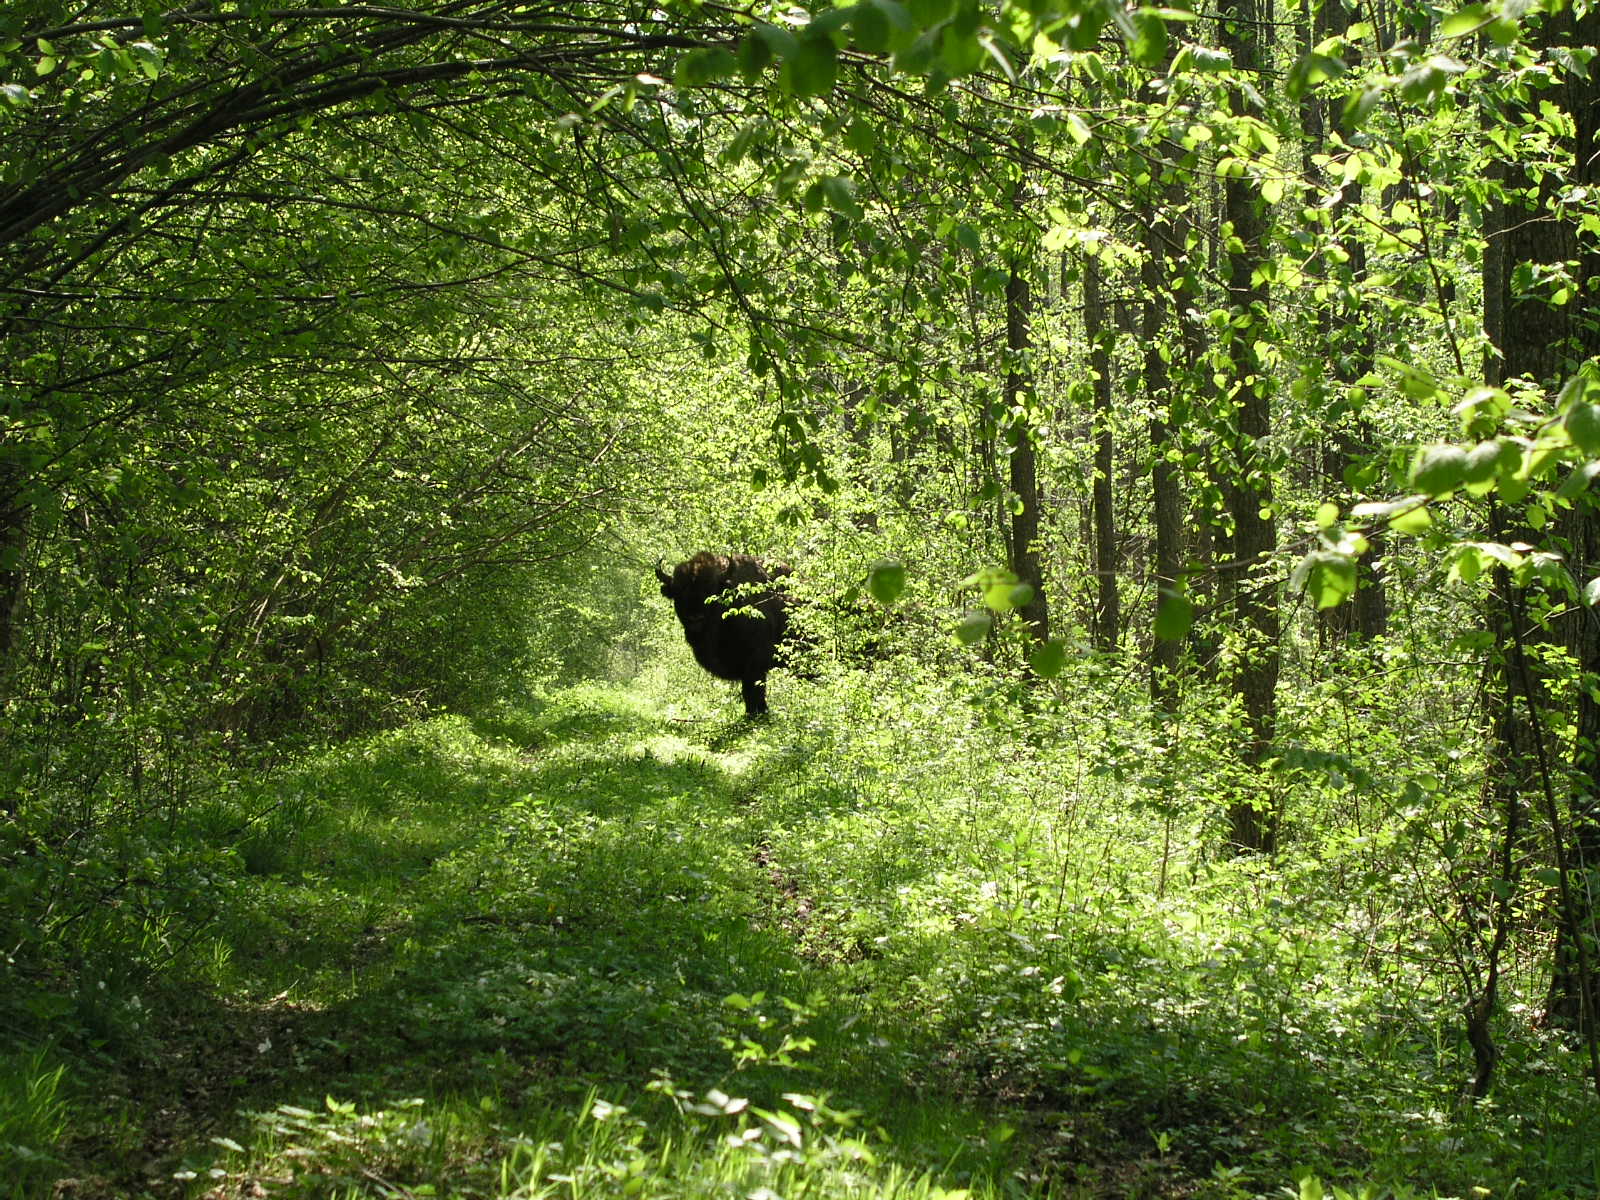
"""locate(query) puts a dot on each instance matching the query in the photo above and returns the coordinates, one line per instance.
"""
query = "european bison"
(735, 616)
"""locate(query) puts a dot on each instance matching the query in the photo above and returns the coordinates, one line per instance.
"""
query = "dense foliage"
(1180, 423)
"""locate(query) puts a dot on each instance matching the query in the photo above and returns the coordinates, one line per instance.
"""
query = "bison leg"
(755, 696)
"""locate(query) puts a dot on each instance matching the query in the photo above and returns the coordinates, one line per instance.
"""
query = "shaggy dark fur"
(735, 616)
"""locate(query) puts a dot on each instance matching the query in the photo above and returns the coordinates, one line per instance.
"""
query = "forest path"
(493, 922)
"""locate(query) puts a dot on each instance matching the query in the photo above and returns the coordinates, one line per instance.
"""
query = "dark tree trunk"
(1108, 606)
(1166, 494)
(1024, 477)
(1345, 330)
(1547, 342)
(1252, 824)
(13, 577)
(13, 553)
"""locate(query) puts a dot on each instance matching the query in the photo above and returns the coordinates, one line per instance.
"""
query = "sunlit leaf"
(1413, 521)
(1331, 578)
(1468, 20)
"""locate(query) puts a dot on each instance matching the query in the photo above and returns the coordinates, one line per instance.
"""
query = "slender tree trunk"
(1166, 493)
(1344, 329)
(13, 556)
(1108, 606)
(1251, 818)
(13, 553)
(1024, 474)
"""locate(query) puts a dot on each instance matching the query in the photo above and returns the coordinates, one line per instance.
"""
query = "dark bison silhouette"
(735, 617)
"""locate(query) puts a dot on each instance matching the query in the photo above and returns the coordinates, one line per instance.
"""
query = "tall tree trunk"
(1024, 471)
(1252, 823)
(13, 553)
(1165, 490)
(13, 556)
(1345, 329)
(1108, 606)
(1547, 343)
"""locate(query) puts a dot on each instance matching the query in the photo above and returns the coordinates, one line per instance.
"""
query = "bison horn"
(660, 574)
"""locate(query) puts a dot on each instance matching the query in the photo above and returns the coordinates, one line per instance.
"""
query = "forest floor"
(601, 945)
(559, 953)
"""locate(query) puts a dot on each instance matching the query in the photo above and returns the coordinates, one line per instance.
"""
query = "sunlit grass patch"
(678, 1144)
(33, 1120)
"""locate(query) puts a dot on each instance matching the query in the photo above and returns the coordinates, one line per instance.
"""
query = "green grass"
(891, 943)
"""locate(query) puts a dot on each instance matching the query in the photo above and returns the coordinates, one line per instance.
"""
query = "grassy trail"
(555, 954)
(885, 945)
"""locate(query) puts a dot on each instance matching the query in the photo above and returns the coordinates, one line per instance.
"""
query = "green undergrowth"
(900, 940)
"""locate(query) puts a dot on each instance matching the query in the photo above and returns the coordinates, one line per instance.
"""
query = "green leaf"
(755, 54)
(973, 626)
(959, 51)
(1327, 515)
(1311, 69)
(1413, 521)
(812, 69)
(1208, 60)
(1360, 106)
(871, 25)
(1439, 469)
(150, 58)
(902, 29)
(1480, 464)
(1468, 563)
(779, 41)
(1174, 615)
(861, 137)
(999, 585)
(1083, 27)
(830, 21)
(1469, 20)
(1582, 424)
(886, 580)
(699, 67)
(917, 58)
(1331, 579)
(1503, 31)
(1048, 659)
(927, 13)
(1427, 79)
(1148, 46)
